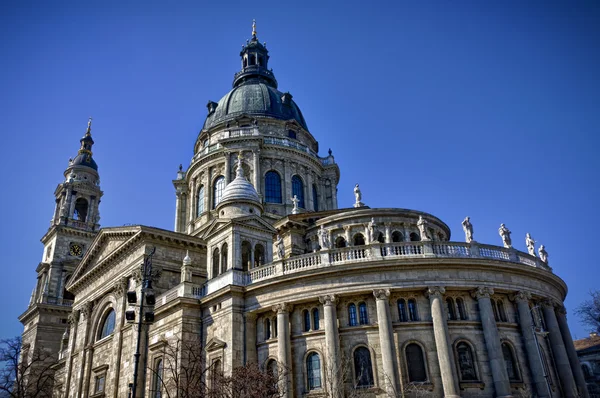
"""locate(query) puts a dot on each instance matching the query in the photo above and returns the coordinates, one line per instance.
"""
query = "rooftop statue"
(280, 247)
(543, 254)
(371, 230)
(505, 234)
(357, 197)
(422, 225)
(530, 243)
(468, 228)
(323, 238)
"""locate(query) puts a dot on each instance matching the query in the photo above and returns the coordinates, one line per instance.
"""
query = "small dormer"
(212, 107)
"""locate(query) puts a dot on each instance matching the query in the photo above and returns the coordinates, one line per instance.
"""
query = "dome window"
(286, 99)
(211, 106)
(292, 134)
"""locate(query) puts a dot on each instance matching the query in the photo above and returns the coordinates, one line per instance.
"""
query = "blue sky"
(454, 108)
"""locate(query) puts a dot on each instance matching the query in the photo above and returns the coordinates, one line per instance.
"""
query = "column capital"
(549, 303)
(561, 310)
(482, 292)
(521, 296)
(381, 294)
(120, 287)
(86, 309)
(435, 291)
(328, 299)
(282, 308)
(73, 317)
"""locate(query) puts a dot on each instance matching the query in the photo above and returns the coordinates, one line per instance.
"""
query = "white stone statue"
(295, 201)
(422, 225)
(505, 234)
(530, 243)
(468, 228)
(357, 197)
(323, 238)
(543, 254)
(371, 230)
(280, 247)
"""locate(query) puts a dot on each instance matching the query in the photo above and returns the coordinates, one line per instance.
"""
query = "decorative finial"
(187, 259)
(89, 127)
(180, 167)
(254, 28)
(240, 170)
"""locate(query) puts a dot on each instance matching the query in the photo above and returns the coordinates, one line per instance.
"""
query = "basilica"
(263, 267)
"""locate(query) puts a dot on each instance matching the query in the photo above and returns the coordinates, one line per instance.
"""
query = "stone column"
(561, 359)
(284, 348)
(531, 344)
(91, 211)
(442, 341)
(492, 341)
(120, 289)
(227, 173)
(178, 211)
(192, 199)
(309, 205)
(386, 341)
(250, 320)
(405, 227)
(333, 365)
(571, 353)
(256, 165)
(72, 204)
(334, 196)
(388, 232)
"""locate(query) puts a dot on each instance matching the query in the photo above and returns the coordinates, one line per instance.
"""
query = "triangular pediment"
(215, 344)
(254, 221)
(250, 221)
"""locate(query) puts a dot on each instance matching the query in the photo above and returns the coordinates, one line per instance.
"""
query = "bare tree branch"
(589, 311)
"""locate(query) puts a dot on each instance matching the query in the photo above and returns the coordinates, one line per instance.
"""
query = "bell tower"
(73, 226)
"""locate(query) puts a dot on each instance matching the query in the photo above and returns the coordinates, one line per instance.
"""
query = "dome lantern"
(255, 60)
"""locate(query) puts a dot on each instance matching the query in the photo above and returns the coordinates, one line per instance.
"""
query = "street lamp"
(145, 317)
(539, 331)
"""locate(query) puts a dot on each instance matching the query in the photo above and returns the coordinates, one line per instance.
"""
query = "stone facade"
(380, 301)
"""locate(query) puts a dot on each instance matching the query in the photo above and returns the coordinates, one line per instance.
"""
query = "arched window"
(362, 312)
(363, 370)
(402, 314)
(200, 201)
(272, 187)
(380, 238)
(306, 316)
(451, 309)
(218, 187)
(352, 319)
(224, 253)
(315, 198)
(359, 240)
(495, 310)
(511, 363)
(412, 310)
(81, 209)
(267, 329)
(313, 371)
(252, 59)
(272, 367)
(215, 264)
(414, 237)
(501, 311)
(397, 236)
(108, 324)
(462, 312)
(416, 363)
(340, 242)
(466, 362)
(298, 190)
(245, 62)
(315, 316)
(246, 249)
(259, 255)
(274, 322)
(158, 377)
(216, 372)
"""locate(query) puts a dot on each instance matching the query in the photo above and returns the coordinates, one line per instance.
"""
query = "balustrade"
(302, 262)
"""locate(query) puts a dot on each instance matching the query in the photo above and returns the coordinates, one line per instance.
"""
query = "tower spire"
(254, 29)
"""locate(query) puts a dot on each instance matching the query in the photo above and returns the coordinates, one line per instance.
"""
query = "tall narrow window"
(218, 187)
(224, 253)
(274, 322)
(315, 315)
(414, 237)
(272, 367)
(158, 377)
(108, 325)
(306, 320)
(246, 250)
(340, 242)
(352, 319)
(315, 197)
(416, 363)
(501, 311)
(412, 310)
(81, 209)
(363, 315)
(495, 310)
(363, 369)
(402, 314)
(466, 362)
(510, 362)
(200, 201)
(359, 240)
(298, 190)
(259, 255)
(451, 309)
(215, 264)
(272, 187)
(397, 236)
(462, 312)
(267, 329)
(313, 371)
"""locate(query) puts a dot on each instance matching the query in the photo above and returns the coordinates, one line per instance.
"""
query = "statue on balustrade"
(468, 228)
(280, 247)
(530, 243)
(295, 201)
(371, 230)
(357, 197)
(422, 225)
(543, 254)
(323, 238)
(505, 234)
